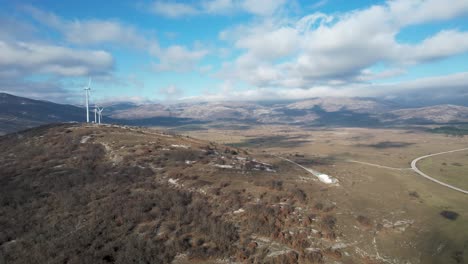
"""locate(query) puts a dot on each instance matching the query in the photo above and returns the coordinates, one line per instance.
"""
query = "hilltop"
(87, 194)
(77, 193)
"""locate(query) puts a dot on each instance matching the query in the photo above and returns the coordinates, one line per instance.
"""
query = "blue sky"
(173, 51)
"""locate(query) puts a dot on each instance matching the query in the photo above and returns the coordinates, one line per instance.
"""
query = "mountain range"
(17, 113)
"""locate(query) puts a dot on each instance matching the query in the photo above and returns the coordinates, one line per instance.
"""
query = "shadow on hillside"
(386, 144)
(165, 121)
(343, 118)
(272, 141)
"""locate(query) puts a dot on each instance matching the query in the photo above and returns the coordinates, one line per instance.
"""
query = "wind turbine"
(100, 114)
(87, 91)
(95, 114)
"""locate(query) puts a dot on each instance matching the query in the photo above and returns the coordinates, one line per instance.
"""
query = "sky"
(217, 50)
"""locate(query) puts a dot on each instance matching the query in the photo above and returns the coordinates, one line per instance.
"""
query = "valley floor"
(403, 211)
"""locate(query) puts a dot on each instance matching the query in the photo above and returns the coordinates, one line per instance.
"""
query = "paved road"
(415, 168)
(377, 165)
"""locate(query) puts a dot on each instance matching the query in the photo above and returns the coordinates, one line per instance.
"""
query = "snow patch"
(322, 176)
(241, 210)
(399, 225)
(278, 253)
(180, 146)
(339, 246)
(223, 166)
(85, 139)
(173, 181)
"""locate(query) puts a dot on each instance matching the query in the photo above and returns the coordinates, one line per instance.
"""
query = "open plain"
(385, 211)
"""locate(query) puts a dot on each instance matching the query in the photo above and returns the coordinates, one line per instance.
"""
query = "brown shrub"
(318, 206)
(364, 221)
(328, 222)
(449, 215)
(299, 194)
(314, 256)
(276, 185)
(292, 257)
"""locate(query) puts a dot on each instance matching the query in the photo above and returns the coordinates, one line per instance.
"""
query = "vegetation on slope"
(87, 194)
(63, 202)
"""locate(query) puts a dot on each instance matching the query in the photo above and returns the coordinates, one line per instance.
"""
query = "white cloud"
(172, 9)
(178, 9)
(177, 58)
(454, 85)
(14, 30)
(406, 12)
(270, 44)
(25, 52)
(171, 92)
(43, 58)
(444, 44)
(262, 7)
(319, 4)
(91, 31)
(321, 49)
(219, 6)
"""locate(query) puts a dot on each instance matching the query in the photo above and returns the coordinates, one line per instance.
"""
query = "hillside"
(334, 104)
(433, 114)
(327, 111)
(86, 194)
(17, 113)
(76, 193)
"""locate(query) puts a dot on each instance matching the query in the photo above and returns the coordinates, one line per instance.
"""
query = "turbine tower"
(87, 91)
(100, 114)
(95, 114)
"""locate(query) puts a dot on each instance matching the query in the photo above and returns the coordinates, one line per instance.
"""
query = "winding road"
(378, 166)
(415, 168)
(418, 171)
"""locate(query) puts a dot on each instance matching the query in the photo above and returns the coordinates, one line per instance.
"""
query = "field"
(388, 213)
(451, 168)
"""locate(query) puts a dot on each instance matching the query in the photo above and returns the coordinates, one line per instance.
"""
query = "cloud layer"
(177, 9)
(321, 49)
(275, 51)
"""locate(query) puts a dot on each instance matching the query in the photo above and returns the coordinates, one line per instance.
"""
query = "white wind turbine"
(87, 92)
(99, 110)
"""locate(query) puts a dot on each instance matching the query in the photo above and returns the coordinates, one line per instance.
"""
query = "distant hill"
(327, 111)
(17, 113)
(440, 114)
(334, 104)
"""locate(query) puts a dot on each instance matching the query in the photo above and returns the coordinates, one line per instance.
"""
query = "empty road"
(415, 168)
(418, 171)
